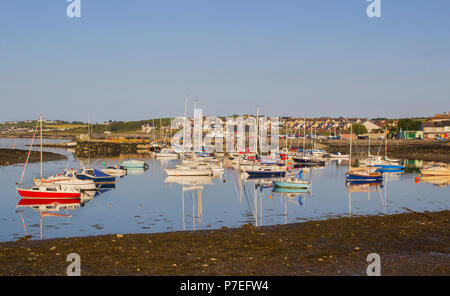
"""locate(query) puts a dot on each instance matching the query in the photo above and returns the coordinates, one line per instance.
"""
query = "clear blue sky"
(138, 59)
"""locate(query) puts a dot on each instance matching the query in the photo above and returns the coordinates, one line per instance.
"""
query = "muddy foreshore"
(428, 150)
(408, 244)
(15, 156)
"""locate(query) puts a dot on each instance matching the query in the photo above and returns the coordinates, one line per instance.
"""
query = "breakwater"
(428, 150)
(100, 149)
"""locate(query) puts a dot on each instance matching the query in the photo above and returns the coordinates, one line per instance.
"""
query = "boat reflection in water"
(55, 207)
(440, 181)
(136, 171)
(47, 208)
(195, 184)
(360, 187)
(293, 195)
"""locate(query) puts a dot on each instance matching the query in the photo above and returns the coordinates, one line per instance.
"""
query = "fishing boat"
(436, 170)
(100, 179)
(133, 164)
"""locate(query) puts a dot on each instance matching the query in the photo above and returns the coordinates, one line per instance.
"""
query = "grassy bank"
(409, 244)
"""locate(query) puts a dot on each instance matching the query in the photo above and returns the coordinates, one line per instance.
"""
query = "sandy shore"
(409, 244)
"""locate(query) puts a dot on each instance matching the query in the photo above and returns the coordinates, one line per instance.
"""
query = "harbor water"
(147, 201)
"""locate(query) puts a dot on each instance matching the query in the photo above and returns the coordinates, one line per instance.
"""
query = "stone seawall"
(101, 149)
(407, 149)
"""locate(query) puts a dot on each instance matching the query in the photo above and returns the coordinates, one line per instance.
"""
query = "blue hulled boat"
(363, 176)
(100, 179)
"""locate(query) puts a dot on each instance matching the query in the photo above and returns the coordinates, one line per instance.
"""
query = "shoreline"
(408, 243)
(427, 150)
(18, 156)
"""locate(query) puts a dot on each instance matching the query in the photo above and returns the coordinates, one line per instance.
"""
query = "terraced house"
(436, 129)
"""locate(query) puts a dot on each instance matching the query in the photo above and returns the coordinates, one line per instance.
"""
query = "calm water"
(143, 202)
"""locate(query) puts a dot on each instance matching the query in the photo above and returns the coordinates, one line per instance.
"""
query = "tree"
(407, 124)
(359, 128)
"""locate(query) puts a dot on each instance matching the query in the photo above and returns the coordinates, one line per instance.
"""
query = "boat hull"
(266, 174)
(46, 195)
(289, 185)
(357, 177)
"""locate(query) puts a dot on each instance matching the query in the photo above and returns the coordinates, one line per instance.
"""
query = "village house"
(371, 127)
(436, 129)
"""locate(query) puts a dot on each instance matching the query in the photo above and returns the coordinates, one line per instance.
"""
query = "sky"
(139, 59)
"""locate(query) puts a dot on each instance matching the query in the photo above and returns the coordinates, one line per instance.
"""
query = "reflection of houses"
(436, 129)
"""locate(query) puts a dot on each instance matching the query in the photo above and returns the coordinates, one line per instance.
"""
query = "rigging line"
(28, 156)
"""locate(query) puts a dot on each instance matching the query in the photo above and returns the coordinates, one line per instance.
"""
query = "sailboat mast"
(385, 143)
(350, 157)
(257, 131)
(40, 119)
(304, 134)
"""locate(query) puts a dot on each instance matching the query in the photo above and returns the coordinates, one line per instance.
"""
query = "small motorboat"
(307, 162)
(436, 170)
(265, 171)
(114, 171)
(166, 153)
(183, 170)
(291, 183)
(339, 155)
(363, 176)
(100, 179)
